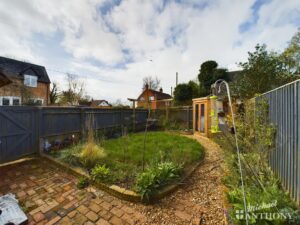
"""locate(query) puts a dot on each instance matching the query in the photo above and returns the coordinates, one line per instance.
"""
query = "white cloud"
(176, 37)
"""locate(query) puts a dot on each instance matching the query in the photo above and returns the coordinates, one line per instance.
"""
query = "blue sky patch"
(254, 17)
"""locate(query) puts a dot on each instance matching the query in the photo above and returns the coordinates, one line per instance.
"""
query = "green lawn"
(124, 155)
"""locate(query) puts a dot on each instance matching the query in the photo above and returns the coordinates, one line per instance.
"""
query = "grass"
(123, 156)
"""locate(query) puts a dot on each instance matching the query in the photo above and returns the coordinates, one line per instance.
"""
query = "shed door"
(202, 118)
(196, 117)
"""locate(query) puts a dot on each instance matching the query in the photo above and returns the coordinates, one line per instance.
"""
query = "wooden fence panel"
(22, 128)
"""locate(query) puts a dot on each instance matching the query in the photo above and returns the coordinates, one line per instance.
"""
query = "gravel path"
(200, 200)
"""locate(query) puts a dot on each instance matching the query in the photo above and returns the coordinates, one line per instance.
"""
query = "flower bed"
(120, 161)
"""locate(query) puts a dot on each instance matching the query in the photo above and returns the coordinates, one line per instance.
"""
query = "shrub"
(83, 182)
(70, 155)
(148, 182)
(91, 155)
(256, 141)
(100, 173)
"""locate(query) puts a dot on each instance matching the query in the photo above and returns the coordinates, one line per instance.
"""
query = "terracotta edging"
(123, 193)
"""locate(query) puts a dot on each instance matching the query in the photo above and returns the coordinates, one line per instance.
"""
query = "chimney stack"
(146, 86)
(161, 90)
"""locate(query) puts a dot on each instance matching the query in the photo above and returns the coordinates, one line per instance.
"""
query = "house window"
(5, 101)
(16, 101)
(10, 100)
(36, 101)
(39, 101)
(30, 81)
(151, 98)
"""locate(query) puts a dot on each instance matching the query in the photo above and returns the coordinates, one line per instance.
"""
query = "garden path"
(198, 201)
(49, 196)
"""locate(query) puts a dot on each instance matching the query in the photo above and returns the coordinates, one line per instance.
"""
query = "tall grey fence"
(284, 113)
(174, 117)
(22, 127)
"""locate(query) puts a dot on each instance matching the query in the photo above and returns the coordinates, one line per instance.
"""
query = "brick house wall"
(150, 99)
(145, 95)
(16, 88)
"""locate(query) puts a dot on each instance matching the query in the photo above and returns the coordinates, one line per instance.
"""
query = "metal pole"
(220, 81)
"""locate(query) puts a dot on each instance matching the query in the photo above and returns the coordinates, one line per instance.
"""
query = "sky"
(112, 44)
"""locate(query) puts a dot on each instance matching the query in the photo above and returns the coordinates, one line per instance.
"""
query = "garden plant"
(256, 140)
(119, 161)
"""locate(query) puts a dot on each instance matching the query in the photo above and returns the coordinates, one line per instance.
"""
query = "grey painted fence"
(176, 117)
(284, 112)
(22, 128)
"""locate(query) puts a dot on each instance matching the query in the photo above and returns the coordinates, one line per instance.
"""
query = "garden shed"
(208, 115)
(201, 115)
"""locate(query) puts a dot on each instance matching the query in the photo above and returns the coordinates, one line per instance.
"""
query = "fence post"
(39, 124)
(134, 117)
(82, 122)
(188, 117)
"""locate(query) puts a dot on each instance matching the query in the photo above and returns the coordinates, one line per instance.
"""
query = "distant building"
(23, 83)
(153, 99)
(100, 104)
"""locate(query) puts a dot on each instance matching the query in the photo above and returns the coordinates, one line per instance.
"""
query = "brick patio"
(50, 196)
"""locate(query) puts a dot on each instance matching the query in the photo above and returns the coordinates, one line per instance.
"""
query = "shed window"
(30, 81)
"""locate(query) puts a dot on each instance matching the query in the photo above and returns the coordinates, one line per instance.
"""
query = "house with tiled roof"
(153, 99)
(23, 83)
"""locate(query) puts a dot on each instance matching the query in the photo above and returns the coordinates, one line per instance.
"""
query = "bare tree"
(152, 82)
(75, 92)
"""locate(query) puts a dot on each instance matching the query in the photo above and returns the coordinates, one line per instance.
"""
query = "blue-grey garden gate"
(18, 132)
(22, 128)
(284, 113)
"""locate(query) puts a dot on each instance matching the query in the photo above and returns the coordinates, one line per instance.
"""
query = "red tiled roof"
(159, 95)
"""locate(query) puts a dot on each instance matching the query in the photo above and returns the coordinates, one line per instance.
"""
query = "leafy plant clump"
(83, 182)
(100, 173)
(91, 155)
(150, 181)
(71, 155)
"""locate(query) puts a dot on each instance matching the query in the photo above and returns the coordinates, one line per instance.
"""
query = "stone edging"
(123, 193)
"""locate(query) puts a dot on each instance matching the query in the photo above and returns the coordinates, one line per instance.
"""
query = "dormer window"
(30, 81)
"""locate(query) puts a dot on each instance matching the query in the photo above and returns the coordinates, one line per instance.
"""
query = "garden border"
(123, 193)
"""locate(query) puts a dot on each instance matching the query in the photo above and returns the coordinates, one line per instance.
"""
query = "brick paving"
(49, 195)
